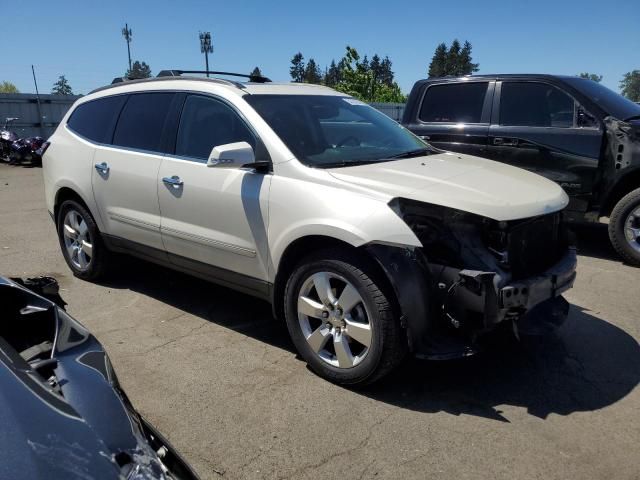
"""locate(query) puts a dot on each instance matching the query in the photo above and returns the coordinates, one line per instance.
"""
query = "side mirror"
(231, 155)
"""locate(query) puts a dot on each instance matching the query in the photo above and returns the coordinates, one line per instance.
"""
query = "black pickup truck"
(571, 130)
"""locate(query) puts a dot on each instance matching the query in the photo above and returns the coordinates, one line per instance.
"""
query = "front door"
(125, 173)
(455, 116)
(214, 220)
(540, 127)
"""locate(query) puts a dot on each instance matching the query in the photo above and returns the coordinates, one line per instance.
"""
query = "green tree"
(312, 72)
(358, 81)
(138, 70)
(438, 65)
(62, 87)
(630, 85)
(591, 76)
(256, 72)
(297, 69)
(455, 60)
(375, 66)
(386, 74)
(332, 76)
(8, 87)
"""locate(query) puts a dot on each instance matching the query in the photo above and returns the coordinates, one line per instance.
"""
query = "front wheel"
(624, 227)
(341, 321)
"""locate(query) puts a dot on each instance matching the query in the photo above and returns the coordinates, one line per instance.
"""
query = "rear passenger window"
(94, 120)
(454, 103)
(141, 121)
(206, 123)
(530, 104)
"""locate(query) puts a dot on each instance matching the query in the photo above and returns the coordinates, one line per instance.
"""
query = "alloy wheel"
(632, 229)
(77, 240)
(334, 320)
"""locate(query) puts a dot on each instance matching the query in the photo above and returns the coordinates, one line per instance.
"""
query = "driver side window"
(206, 123)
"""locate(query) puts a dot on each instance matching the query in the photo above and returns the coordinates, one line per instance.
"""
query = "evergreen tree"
(62, 87)
(465, 65)
(437, 67)
(256, 72)
(375, 66)
(332, 77)
(455, 60)
(386, 74)
(297, 69)
(312, 72)
(591, 76)
(630, 85)
(138, 70)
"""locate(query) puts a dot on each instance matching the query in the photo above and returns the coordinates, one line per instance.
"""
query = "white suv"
(369, 242)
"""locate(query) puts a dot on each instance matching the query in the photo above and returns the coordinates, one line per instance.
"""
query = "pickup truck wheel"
(624, 227)
(80, 241)
(340, 320)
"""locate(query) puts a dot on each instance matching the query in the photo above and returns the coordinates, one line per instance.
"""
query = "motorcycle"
(27, 150)
(7, 137)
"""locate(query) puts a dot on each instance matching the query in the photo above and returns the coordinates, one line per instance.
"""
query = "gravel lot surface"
(212, 370)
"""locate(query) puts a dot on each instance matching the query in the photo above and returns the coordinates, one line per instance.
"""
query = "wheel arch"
(626, 184)
(67, 193)
(305, 245)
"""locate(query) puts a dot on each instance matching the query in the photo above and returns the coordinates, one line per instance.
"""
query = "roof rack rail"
(177, 73)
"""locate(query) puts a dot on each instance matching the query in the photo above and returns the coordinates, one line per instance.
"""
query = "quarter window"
(454, 103)
(94, 120)
(142, 120)
(206, 123)
(530, 104)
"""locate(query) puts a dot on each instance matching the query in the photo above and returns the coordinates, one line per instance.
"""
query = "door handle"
(174, 181)
(102, 168)
(505, 142)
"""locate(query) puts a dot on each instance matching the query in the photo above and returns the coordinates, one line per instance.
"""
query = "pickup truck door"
(455, 116)
(214, 220)
(540, 127)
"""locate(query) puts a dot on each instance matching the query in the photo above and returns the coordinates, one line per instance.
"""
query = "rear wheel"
(340, 320)
(80, 241)
(624, 227)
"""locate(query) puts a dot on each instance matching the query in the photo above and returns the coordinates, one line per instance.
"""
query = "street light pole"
(127, 34)
(206, 47)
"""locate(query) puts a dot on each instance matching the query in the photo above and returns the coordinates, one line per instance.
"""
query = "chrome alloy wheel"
(632, 229)
(77, 240)
(334, 320)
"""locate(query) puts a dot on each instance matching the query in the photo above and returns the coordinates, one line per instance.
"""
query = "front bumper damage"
(447, 310)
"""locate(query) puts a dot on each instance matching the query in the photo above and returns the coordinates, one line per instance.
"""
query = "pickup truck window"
(533, 104)
(454, 103)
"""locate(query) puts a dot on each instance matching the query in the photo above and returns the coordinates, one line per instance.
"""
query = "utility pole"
(40, 124)
(127, 34)
(206, 47)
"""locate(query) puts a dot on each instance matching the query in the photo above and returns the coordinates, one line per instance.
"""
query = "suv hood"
(471, 184)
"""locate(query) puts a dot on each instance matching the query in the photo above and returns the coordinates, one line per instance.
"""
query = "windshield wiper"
(345, 163)
(413, 153)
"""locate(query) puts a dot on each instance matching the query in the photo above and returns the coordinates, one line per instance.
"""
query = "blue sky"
(83, 40)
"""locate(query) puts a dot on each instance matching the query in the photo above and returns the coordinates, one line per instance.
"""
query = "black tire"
(99, 259)
(388, 344)
(617, 222)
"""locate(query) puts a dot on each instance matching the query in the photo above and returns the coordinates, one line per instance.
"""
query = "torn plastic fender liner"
(409, 280)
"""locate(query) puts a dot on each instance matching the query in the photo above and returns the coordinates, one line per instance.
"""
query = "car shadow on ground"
(586, 365)
(592, 240)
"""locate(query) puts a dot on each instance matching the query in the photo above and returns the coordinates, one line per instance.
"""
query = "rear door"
(214, 220)
(455, 116)
(125, 171)
(540, 127)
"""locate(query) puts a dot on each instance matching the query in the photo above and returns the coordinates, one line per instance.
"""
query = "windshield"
(612, 103)
(330, 131)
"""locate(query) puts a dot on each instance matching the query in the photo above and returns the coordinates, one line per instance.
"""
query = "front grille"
(535, 244)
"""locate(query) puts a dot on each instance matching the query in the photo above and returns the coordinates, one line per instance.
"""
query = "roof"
(241, 87)
(496, 76)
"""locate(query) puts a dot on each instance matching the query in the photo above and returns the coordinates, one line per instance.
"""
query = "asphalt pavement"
(220, 378)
